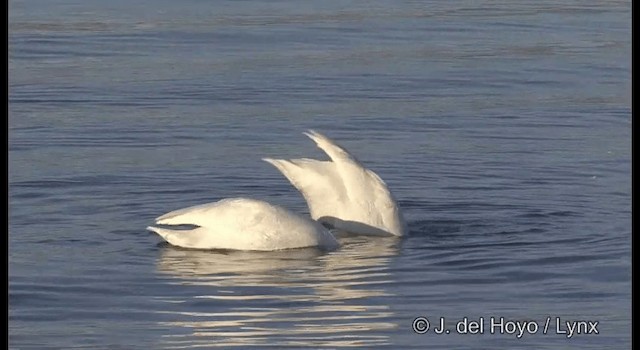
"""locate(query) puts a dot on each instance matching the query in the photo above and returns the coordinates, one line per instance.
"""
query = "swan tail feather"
(179, 238)
(166, 234)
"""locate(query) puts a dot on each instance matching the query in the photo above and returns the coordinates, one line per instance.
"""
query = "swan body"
(243, 224)
(341, 192)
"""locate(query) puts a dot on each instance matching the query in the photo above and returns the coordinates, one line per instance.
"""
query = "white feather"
(243, 224)
(342, 192)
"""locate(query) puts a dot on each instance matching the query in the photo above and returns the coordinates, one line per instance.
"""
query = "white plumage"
(342, 192)
(243, 224)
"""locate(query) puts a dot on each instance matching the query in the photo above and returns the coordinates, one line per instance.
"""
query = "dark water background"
(503, 127)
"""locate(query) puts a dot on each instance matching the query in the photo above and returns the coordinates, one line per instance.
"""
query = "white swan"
(342, 192)
(243, 224)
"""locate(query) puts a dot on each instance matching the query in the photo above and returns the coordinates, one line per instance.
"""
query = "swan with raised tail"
(243, 224)
(342, 193)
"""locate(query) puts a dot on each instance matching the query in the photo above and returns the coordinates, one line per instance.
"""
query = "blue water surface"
(503, 127)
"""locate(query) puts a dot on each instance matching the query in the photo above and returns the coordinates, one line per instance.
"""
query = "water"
(503, 127)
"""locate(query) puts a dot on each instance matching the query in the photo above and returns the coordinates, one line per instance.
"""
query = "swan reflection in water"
(301, 297)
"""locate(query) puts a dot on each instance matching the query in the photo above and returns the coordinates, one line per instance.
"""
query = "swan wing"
(337, 153)
(388, 213)
(353, 175)
(367, 203)
(317, 181)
